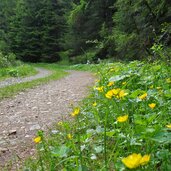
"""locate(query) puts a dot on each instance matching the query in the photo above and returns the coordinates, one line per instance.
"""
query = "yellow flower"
(110, 84)
(145, 159)
(143, 96)
(116, 91)
(124, 83)
(168, 126)
(109, 94)
(37, 139)
(132, 161)
(122, 94)
(69, 136)
(152, 105)
(168, 80)
(75, 112)
(94, 104)
(100, 89)
(122, 118)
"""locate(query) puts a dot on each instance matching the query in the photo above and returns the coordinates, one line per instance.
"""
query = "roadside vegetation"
(124, 124)
(10, 67)
(17, 71)
(26, 70)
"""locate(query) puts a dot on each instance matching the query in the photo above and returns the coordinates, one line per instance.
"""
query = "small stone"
(27, 136)
(55, 131)
(3, 150)
(34, 127)
(12, 132)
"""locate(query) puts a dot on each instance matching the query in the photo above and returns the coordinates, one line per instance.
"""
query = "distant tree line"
(39, 30)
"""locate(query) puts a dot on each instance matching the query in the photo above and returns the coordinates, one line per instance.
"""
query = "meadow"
(124, 124)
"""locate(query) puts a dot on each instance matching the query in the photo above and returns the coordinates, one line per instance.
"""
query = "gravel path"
(35, 109)
(10, 81)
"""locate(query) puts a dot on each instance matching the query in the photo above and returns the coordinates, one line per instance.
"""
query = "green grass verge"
(124, 124)
(58, 72)
(17, 71)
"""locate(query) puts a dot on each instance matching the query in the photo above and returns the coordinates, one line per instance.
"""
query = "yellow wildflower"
(122, 118)
(132, 161)
(115, 91)
(143, 96)
(109, 94)
(100, 89)
(94, 104)
(37, 139)
(145, 159)
(122, 94)
(168, 80)
(124, 83)
(110, 84)
(168, 126)
(75, 112)
(69, 136)
(152, 105)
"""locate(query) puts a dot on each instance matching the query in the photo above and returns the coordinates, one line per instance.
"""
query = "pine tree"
(36, 29)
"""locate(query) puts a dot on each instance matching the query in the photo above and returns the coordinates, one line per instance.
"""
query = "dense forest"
(85, 30)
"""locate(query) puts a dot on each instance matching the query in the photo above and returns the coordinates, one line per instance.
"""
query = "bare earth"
(38, 108)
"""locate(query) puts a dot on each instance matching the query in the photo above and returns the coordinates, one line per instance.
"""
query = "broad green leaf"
(162, 137)
(98, 149)
(60, 151)
(118, 78)
(110, 133)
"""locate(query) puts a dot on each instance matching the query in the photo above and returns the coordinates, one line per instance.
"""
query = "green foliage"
(86, 58)
(85, 22)
(137, 24)
(8, 60)
(18, 71)
(36, 29)
(98, 137)
(58, 72)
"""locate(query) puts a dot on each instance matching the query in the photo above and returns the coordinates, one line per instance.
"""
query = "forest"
(85, 30)
(85, 85)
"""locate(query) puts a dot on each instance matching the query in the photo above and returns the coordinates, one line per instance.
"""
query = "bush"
(87, 57)
(8, 60)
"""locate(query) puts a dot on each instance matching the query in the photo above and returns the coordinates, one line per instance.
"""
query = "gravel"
(38, 108)
(11, 81)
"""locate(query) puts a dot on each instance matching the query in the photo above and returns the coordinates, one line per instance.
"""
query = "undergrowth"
(17, 71)
(124, 124)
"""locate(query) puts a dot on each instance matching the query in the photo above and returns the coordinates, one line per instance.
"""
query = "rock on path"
(10, 81)
(35, 109)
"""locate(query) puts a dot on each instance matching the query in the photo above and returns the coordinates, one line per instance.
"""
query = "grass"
(124, 124)
(58, 72)
(18, 71)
